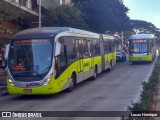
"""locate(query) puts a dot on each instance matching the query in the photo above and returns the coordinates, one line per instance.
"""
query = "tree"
(65, 15)
(104, 15)
(140, 26)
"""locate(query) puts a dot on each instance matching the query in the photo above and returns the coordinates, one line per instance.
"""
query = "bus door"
(86, 58)
(111, 44)
(91, 65)
(106, 53)
(102, 53)
(80, 67)
(114, 49)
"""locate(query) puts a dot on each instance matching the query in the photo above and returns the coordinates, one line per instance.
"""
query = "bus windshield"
(30, 58)
(140, 47)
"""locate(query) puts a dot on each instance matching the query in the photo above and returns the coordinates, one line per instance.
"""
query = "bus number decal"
(32, 84)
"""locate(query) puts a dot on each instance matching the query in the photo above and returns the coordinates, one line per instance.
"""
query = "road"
(111, 91)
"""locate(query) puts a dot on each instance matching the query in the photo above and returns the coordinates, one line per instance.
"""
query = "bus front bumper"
(41, 90)
(140, 58)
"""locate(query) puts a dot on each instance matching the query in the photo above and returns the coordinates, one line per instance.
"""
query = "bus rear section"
(108, 51)
(142, 48)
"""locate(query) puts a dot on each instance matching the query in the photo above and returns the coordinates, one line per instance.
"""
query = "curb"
(158, 101)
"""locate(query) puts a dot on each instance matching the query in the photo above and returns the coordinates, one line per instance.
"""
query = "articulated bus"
(51, 59)
(142, 48)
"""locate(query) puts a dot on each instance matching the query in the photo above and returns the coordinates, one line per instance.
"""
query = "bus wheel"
(110, 66)
(72, 83)
(94, 74)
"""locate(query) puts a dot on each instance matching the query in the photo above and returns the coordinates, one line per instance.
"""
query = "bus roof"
(143, 36)
(108, 36)
(46, 32)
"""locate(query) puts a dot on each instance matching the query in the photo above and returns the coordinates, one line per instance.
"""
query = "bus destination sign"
(139, 41)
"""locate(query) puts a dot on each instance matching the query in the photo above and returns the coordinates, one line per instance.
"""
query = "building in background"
(28, 17)
(48, 4)
(24, 5)
(30, 7)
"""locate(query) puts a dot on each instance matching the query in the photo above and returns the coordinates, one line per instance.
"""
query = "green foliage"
(104, 15)
(146, 94)
(65, 15)
(144, 27)
(4, 31)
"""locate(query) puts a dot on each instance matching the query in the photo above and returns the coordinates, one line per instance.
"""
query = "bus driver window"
(61, 61)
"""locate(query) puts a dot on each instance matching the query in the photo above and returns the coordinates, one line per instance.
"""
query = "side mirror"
(58, 49)
(6, 52)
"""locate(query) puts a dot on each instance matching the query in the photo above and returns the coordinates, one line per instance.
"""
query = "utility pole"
(40, 13)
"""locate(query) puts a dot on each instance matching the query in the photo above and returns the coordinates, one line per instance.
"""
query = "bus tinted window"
(140, 47)
(106, 47)
(85, 49)
(110, 46)
(95, 47)
(70, 47)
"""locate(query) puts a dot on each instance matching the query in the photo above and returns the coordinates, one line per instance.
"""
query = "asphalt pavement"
(112, 91)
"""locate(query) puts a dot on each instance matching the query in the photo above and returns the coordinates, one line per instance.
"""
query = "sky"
(148, 10)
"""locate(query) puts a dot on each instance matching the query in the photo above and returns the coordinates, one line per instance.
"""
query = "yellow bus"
(51, 59)
(142, 48)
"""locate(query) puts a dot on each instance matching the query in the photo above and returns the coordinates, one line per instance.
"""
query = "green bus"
(142, 48)
(51, 59)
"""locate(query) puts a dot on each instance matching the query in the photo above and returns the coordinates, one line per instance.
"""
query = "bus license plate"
(27, 90)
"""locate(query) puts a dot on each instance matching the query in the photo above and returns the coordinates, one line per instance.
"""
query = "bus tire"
(94, 74)
(72, 83)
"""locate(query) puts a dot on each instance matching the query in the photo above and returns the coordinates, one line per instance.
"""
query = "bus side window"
(92, 48)
(63, 57)
(106, 47)
(110, 46)
(61, 61)
(95, 45)
(71, 49)
(114, 45)
(80, 49)
(85, 49)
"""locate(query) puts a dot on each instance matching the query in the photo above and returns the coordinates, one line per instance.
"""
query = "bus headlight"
(46, 82)
(10, 81)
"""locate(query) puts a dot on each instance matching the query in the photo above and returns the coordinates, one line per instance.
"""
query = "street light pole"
(122, 37)
(40, 14)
